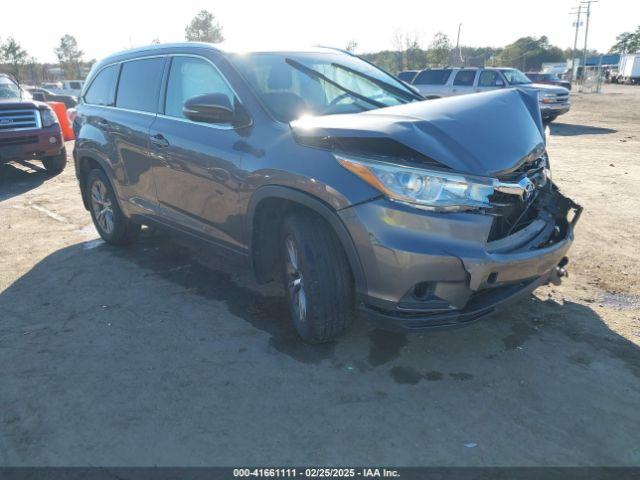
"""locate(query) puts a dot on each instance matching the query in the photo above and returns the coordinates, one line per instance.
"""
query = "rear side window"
(75, 85)
(407, 76)
(465, 77)
(139, 84)
(432, 77)
(489, 78)
(190, 77)
(103, 88)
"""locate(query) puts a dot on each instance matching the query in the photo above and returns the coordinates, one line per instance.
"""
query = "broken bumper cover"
(427, 270)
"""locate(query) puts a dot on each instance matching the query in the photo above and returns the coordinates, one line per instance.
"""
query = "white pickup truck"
(444, 82)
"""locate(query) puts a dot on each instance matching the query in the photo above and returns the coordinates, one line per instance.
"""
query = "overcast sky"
(107, 26)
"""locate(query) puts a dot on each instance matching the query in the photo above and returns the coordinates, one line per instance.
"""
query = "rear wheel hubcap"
(102, 206)
(295, 281)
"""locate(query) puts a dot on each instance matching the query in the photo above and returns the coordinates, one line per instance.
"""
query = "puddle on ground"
(619, 301)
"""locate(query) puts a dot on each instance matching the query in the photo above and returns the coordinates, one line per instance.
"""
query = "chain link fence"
(592, 80)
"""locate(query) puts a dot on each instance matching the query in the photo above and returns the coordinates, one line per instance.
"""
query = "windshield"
(8, 89)
(297, 84)
(515, 77)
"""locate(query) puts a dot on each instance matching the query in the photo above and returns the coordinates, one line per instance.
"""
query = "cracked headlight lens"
(425, 189)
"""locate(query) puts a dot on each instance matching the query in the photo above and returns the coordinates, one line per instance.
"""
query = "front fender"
(321, 208)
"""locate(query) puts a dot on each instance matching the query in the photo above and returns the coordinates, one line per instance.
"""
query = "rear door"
(95, 136)
(197, 165)
(463, 81)
(136, 104)
(489, 80)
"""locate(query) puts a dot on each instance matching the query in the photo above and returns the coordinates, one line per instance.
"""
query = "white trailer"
(629, 68)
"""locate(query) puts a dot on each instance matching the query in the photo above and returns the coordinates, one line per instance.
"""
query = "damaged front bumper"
(427, 269)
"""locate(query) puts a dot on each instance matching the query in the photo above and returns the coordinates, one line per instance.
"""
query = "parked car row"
(444, 82)
(64, 87)
(44, 95)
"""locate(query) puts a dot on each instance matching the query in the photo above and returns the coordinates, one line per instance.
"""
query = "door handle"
(159, 141)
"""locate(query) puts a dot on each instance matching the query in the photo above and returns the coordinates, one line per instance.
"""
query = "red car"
(29, 129)
(549, 79)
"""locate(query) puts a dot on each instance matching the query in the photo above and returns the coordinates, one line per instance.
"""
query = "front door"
(196, 165)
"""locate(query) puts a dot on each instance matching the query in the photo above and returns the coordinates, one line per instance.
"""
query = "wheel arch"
(275, 198)
(86, 163)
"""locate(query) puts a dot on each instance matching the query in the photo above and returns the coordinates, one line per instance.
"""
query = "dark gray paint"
(209, 181)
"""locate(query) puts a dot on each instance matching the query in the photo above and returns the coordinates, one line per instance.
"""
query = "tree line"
(407, 53)
(526, 53)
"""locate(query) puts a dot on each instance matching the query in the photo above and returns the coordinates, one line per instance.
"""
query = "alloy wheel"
(295, 281)
(102, 206)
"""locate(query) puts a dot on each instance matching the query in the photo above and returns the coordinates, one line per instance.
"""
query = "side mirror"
(38, 96)
(209, 108)
(499, 83)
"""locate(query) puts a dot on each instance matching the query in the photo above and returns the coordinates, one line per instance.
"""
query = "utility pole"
(458, 47)
(575, 42)
(586, 35)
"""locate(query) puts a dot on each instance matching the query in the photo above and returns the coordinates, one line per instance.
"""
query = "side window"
(465, 78)
(432, 77)
(102, 90)
(190, 77)
(489, 78)
(139, 84)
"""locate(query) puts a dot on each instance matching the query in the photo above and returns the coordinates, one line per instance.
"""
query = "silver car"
(445, 82)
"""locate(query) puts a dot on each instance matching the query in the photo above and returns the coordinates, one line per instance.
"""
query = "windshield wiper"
(319, 76)
(384, 85)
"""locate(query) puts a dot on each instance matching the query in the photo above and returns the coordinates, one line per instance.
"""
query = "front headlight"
(48, 117)
(426, 189)
(547, 97)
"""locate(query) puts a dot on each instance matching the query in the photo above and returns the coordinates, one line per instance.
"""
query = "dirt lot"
(160, 354)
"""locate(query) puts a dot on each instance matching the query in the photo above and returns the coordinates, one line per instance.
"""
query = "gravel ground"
(163, 354)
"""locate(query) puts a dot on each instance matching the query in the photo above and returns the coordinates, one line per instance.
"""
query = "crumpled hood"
(482, 134)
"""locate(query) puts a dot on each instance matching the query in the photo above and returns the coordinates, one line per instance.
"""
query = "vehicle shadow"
(570, 130)
(15, 180)
(121, 338)
(197, 272)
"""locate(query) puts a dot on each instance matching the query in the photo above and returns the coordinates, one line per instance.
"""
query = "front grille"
(560, 98)
(515, 215)
(18, 140)
(513, 212)
(19, 120)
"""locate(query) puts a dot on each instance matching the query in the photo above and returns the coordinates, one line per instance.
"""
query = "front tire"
(318, 282)
(110, 222)
(55, 163)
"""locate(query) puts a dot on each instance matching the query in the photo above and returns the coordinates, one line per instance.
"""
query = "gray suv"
(446, 82)
(329, 175)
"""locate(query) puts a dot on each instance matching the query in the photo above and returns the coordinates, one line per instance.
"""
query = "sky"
(103, 27)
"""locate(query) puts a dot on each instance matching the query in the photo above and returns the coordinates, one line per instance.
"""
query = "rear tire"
(55, 163)
(110, 222)
(317, 279)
